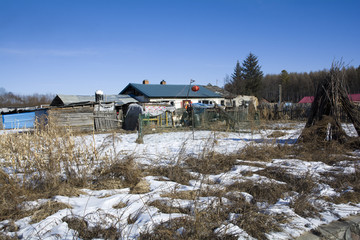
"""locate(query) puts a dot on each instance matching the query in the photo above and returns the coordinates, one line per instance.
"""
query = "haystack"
(331, 98)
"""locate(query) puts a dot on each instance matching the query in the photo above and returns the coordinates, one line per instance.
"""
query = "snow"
(166, 148)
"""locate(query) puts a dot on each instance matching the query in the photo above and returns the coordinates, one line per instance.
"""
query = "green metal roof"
(170, 91)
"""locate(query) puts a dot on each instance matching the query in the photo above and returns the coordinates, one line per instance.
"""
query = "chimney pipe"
(146, 81)
(99, 96)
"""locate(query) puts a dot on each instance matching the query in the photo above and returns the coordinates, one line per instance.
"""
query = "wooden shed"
(91, 112)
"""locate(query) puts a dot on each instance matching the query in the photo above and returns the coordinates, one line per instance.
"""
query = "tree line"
(248, 79)
(9, 99)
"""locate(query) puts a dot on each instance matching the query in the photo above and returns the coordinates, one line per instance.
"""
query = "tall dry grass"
(52, 160)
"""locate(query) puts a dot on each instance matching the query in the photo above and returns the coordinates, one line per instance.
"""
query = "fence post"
(140, 130)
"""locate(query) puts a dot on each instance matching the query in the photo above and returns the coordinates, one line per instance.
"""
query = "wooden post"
(140, 130)
(280, 94)
(166, 118)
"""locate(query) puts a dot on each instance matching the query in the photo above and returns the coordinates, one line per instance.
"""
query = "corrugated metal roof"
(170, 91)
(69, 99)
(63, 100)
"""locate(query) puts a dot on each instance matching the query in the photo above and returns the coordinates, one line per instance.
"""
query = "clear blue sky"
(79, 46)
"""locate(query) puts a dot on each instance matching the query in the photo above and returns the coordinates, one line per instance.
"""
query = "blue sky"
(79, 46)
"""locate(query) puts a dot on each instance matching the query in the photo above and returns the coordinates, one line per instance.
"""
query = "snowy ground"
(164, 148)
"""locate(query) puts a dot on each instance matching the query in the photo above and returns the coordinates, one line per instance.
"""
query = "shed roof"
(63, 100)
(352, 97)
(169, 91)
(307, 99)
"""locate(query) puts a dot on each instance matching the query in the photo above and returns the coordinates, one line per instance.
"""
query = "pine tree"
(284, 81)
(235, 84)
(252, 75)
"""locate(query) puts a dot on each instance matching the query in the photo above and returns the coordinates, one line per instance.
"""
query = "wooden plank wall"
(80, 118)
(105, 121)
(84, 118)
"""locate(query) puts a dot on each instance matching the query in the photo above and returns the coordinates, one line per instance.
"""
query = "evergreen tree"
(284, 81)
(284, 77)
(237, 79)
(235, 84)
(252, 75)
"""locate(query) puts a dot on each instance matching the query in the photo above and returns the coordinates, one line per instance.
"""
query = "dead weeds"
(264, 153)
(47, 209)
(85, 232)
(262, 192)
(212, 163)
(165, 206)
(122, 173)
(174, 173)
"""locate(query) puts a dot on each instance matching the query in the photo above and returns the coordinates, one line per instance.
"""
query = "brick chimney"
(163, 82)
(146, 81)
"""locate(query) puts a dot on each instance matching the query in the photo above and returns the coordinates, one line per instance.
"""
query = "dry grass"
(200, 224)
(47, 209)
(52, 163)
(347, 184)
(211, 163)
(264, 153)
(276, 134)
(85, 232)
(188, 195)
(302, 206)
(120, 205)
(303, 184)
(166, 207)
(174, 173)
(119, 174)
(141, 187)
(5, 237)
(262, 192)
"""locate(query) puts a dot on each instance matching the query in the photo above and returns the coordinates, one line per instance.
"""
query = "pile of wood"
(324, 120)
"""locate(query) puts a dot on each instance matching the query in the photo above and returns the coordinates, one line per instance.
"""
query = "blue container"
(21, 120)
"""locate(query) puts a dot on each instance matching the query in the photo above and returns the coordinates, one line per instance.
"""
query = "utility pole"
(280, 94)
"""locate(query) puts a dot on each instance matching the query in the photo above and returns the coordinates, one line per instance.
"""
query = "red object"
(195, 88)
(307, 99)
(352, 97)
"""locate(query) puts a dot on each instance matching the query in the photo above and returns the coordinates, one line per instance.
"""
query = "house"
(176, 95)
(355, 98)
(232, 100)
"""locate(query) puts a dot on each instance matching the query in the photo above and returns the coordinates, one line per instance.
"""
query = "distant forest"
(295, 86)
(9, 99)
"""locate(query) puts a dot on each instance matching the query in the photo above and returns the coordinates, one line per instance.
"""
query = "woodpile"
(324, 120)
